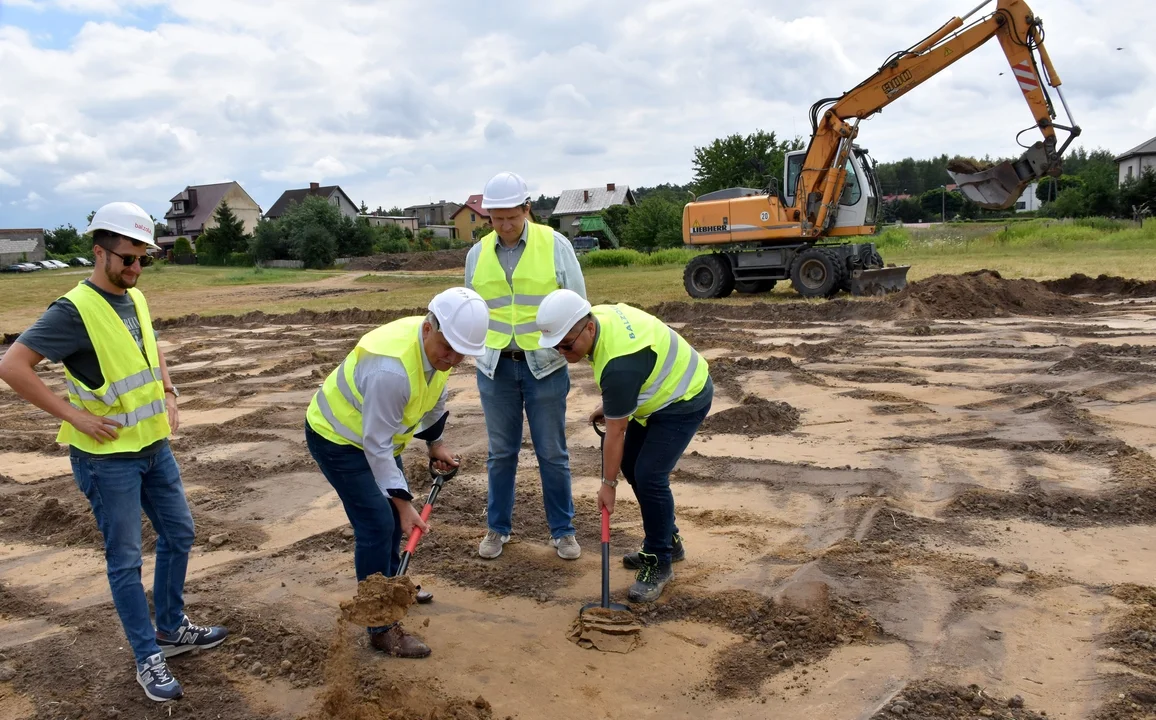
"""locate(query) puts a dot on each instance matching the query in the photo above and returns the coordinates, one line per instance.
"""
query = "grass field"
(1038, 249)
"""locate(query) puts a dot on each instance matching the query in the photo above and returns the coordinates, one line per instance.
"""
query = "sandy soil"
(937, 505)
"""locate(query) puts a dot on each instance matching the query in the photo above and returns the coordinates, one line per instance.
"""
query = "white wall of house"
(1134, 167)
(347, 208)
(1028, 201)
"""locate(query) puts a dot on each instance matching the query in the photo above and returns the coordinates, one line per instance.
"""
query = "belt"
(515, 355)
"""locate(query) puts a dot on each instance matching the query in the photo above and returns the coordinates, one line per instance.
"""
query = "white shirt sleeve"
(384, 387)
(566, 265)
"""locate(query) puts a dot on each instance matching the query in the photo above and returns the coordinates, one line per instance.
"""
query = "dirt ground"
(935, 505)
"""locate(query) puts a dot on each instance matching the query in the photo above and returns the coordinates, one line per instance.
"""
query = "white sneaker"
(491, 545)
(568, 548)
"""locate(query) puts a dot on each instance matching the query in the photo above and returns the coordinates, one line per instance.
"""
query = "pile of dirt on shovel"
(755, 416)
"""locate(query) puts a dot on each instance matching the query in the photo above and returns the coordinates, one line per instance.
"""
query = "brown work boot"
(398, 643)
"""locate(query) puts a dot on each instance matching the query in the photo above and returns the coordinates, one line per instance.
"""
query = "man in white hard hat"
(514, 268)
(656, 391)
(390, 389)
(120, 411)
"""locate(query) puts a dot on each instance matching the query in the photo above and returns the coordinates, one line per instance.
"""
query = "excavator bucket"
(879, 281)
(999, 186)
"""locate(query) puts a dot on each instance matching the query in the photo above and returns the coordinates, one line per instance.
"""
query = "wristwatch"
(173, 390)
(610, 483)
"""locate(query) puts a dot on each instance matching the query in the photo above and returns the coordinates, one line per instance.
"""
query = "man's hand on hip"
(98, 428)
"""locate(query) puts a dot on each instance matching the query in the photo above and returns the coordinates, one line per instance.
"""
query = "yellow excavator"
(804, 230)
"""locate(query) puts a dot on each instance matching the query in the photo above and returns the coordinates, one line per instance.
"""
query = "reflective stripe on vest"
(335, 410)
(514, 310)
(679, 371)
(133, 392)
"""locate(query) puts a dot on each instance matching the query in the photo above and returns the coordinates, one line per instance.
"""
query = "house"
(194, 211)
(573, 205)
(1133, 163)
(404, 221)
(470, 217)
(438, 213)
(1028, 202)
(333, 194)
(21, 245)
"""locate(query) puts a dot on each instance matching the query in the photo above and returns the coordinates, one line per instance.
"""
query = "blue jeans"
(650, 454)
(513, 388)
(118, 489)
(375, 520)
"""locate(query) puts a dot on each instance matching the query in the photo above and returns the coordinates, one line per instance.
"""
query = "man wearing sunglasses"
(656, 391)
(120, 411)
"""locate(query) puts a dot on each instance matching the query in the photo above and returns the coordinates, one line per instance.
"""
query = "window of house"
(473, 217)
(179, 206)
(1129, 172)
(1021, 205)
(180, 226)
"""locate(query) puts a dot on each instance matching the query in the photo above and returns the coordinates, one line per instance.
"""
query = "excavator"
(807, 229)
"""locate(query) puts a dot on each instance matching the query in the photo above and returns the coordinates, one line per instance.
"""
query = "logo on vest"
(625, 322)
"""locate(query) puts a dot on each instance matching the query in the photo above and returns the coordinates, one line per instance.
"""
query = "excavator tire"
(708, 276)
(754, 286)
(817, 272)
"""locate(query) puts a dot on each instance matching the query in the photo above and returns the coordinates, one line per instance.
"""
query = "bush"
(611, 258)
(182, 247)
(316, 247)
(392, 244)
(238, 259)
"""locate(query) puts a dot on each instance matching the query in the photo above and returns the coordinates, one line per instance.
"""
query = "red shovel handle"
(605, 525)
(416, 535)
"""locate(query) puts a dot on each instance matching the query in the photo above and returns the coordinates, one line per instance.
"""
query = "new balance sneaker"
(158, 683)
(190, 637)
(650, 580)
(568, 548)
(632, 562)
(491, 545)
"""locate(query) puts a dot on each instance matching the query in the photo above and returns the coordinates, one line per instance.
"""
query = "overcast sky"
(409, 102)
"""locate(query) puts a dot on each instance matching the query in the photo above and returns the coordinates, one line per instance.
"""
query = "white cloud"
(31, 202)
(400, 102)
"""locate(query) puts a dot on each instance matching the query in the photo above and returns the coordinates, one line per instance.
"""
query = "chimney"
(192, 200)
(609, 187)
(585, 196)
(314, 186)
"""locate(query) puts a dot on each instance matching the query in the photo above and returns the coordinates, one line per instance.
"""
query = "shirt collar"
(525, 234)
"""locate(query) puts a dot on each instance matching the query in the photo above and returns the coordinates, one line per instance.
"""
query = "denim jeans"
(513, 388)
(118, 489)
(650, 454)
(375, 520)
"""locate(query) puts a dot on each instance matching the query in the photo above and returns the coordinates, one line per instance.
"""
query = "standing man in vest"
(513, 269)
(120, 412)
(389, 389)
(656, 391)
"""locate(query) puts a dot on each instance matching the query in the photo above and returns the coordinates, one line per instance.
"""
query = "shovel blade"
(879, 281)
(999, 187)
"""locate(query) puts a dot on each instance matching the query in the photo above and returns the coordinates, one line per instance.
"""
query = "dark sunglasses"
(128, 260)
(569, 346)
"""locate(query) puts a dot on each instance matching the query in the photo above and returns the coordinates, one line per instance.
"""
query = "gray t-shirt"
(60, 336)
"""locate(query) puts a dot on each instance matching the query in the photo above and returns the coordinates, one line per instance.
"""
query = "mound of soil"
(982, 294)
(933, 700)
(1104, 285)
(380, 601)
(756, 416)
(1125, 358)
(258, 318)
(435, 260)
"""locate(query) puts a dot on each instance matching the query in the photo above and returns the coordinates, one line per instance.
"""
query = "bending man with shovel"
(389, 389)
(656, 391)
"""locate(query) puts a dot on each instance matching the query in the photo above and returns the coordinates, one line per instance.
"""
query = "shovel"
(605, 604)
(439, 479)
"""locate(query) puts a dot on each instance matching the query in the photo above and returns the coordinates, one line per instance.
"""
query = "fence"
(284, 264)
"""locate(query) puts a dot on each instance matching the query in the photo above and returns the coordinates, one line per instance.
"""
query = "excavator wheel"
(708, 276)
(754, 286)
(817, 272)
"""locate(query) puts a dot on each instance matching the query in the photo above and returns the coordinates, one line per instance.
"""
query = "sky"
(408, 102)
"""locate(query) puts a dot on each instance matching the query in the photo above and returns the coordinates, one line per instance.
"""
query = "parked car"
(58, 264)
(17, 267)
(80, 262)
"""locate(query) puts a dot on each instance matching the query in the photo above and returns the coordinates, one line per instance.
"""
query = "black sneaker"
(650, 580)
(678, 553)
(158, 683)
(190, 637)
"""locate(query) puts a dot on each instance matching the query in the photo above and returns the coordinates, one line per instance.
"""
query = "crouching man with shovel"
(656, 391)
(389, 389)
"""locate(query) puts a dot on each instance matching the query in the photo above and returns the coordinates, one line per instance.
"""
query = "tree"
(354, 237)
(182, 247)
(1048, 188)
(270, 241)
(737, 161)
(316, 247)
(1139, 193)
(64, 240)
(617, 217)
(654, 223)
(216, 245)
(395, 211)
(364, 209)
(391, 239)
(934, 203)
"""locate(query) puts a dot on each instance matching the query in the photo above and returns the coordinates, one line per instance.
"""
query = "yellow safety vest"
(133, 392)
(514, 310)
(335, 411)
(679, 372)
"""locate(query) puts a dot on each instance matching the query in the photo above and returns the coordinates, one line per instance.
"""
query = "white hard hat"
(505, 190)
(559, 312)
(125, 218)
(464, 319)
